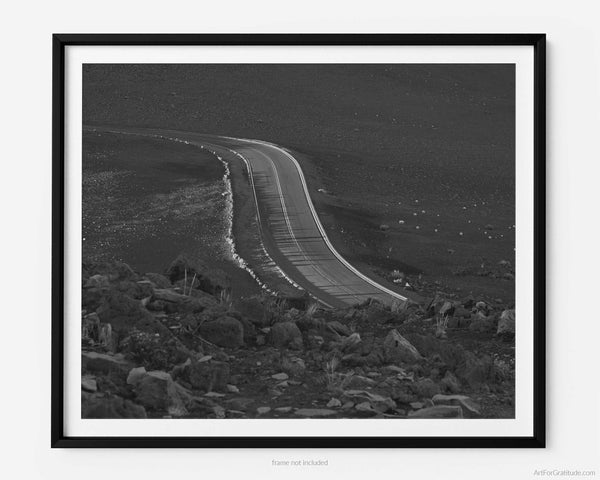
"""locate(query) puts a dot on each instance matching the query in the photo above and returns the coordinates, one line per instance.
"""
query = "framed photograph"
(298, 240)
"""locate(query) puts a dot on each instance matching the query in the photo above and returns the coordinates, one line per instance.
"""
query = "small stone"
(214, 395)
(334, 402)
(283, 409)
(416, 405)
(136, 375)
(350, 343)
(314, 412)
(425, 388)
(88, 384)
(97, 281)
(280, 376)
(378, 402)
(263, 410)
(506, 323)
(219, 411)
(232, 389)
(358, 381)
(95, 362)
(240, 403)
(347, 405)
(437, 412)
(450, 382)
(469, 407)
(365, 407)
(293, 366)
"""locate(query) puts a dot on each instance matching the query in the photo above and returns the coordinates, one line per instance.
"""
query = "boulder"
(97, 281)
(379, 403)
(109, 406)
(450, 383)
(112, 270)
(314, 412)
(135, 375)
(293, 366)
(285, 334)
(160, 281)
(425, 388)
(253, 309)
(138, 290)
(476, 371)
(209, 280)
(506, 323)
(443, 411)
(396, 348)
(469, 407)
(482, 323)
(338, 328)
(351, 343)
(177, 303)
(125, 313)
(224, 332)
(103, 363)
(358, 381)
(154, 351)
(88, 383)
(183, 267)
(157, 391)
(208, 375)
(299, 302)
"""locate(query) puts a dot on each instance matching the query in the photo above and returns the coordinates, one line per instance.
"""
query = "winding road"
(291, 230)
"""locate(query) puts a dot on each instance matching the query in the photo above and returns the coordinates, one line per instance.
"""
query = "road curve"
(290, 228)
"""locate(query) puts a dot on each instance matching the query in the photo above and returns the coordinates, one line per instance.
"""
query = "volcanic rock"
(285, 334)
(398, 349)
(506, 323)
(109, 406)
(469, 407)
(443, 411)
(224, 332)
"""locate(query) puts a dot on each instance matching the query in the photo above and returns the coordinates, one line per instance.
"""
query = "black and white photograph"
(315, 240)
(298, 241)
(336, 239)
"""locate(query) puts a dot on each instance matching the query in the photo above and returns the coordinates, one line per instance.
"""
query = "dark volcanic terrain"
(415, 162)
(411, 169)
(147, 200)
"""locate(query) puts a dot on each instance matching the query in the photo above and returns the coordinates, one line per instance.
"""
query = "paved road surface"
(290, 228)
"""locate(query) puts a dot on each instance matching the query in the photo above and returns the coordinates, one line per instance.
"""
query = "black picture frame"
(61, 41)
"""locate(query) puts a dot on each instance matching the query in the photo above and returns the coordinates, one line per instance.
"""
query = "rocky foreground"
(178, 346)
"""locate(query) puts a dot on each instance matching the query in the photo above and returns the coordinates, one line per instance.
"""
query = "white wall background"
(573, 30)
